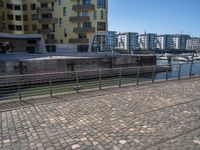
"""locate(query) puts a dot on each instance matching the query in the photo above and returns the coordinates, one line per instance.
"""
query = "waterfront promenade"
(164, 115)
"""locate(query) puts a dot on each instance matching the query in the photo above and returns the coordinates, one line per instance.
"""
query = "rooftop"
(152, 116)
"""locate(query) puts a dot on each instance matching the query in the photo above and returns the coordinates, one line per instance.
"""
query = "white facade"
(164, 42)
(111, 41)
(180, 41)
(147, 41)
(193, 44)
(127, 41)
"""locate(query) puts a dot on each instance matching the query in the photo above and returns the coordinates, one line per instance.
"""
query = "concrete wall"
(77, 64)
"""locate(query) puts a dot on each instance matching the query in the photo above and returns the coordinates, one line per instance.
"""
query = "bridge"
(159, 115)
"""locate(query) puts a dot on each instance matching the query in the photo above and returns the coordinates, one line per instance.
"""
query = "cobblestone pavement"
(162, 116)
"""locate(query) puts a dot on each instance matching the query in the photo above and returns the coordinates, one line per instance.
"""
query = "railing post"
(19, 90)
(167, 73)
(153, 74)
(50, 87)
(100, 79)
(191, 66)
(77, 82)
(120, 77)
(179, 72)
(138, 75)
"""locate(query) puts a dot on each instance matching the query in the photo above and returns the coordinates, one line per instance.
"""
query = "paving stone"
(138, 117)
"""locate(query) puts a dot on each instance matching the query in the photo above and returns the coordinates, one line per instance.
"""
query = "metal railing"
(39, 85)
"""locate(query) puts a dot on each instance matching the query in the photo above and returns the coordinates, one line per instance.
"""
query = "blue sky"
(156, 16)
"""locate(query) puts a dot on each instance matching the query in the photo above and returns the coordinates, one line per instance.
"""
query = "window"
(95, 15)
(11, 27)
(44, 5)
(19, 28)
(24, 7)
(10, 17)
(17, 7)
(64, 11)
(34, 17)
(25, 17)
(60, 2)
(83, 48)
(86, 2)
(26, 28)
(33, 7)
(102, 13)
(34, 27)
(101, 3)
(87, 24)
(9, 6)
(18, 18)
(82, 36)
(101, 26)
(65, 32)
(60, 22)
(85, 13)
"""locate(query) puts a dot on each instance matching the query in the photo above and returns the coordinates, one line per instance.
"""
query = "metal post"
(179, 72)
(191, 66)
(19, 90)
(120, 77)
(138, 75)
(77, 84)
(167, 73)
(50, 87)
(153, 74)
(99, 79)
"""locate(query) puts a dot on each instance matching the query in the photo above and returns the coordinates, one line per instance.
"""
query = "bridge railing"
(24, 87)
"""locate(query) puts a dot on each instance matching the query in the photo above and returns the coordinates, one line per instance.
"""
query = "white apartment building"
(193, 44)
(180, 41)
(147, 41)
(111, 40)
(164, 42)
(127, 41)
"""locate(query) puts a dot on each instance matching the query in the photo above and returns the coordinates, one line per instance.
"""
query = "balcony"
(47, 1)
(83, 8)
(75, 41)
(79, 19)
(44, 10)
(48, 21)
(84, 30)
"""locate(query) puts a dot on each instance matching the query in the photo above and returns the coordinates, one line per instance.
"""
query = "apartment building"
(73, 25)
(164, 42)
(147, 41)
(193, 44)
(127, 41)
(111, 42)
(180, 41)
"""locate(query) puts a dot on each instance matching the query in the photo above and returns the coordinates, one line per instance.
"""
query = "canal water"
(185, 69)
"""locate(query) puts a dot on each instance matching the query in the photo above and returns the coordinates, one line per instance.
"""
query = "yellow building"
(66, 25)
